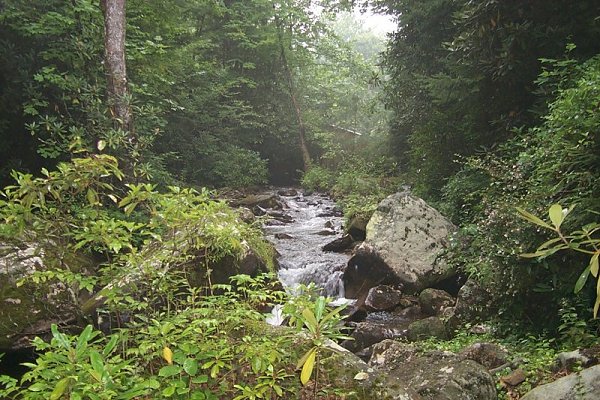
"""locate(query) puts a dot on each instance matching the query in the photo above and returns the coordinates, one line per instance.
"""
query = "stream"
(315, 222)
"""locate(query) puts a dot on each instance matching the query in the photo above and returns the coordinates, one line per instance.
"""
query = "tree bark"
(306, 160)
(114, 59)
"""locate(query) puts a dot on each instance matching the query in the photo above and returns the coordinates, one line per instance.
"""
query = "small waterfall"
(315, 223)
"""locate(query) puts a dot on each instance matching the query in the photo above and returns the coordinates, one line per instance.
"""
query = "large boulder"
(433, 301)
(431, 327)
(435, 375)
(584, 385)
(404, 245)
(473, 304)
(382, 298)
(28, 310)
(349, 373)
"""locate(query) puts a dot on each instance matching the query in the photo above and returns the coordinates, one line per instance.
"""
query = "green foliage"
(358, 183)
(237, 167)
(553, 162)
(323, 327)
(78, 367)
(200, 347)
(77, 209)
(318, 178)
(462, 73)
(585, 240)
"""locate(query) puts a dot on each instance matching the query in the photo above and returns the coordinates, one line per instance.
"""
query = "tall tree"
(116, 69)
(294, 98)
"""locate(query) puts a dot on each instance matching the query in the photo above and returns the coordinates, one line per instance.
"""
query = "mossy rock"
(27, 309)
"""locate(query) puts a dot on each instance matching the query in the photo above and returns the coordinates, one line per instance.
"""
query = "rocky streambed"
(403, 291)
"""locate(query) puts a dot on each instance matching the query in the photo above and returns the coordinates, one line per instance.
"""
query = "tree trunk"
(114, 58)
(301, 127)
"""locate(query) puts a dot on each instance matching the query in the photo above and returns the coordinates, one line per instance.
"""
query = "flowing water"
(316, 222)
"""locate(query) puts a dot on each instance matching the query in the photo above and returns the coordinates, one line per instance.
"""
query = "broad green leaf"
(308, 367)
(97, 362)
(167, 354)
(38, 386)
(594, 265)
(549, 243)
(169, 370)
(556, 215)
(582, 280)
(83, 339)
(190, 366)
(169, 391)
(319, 307)
(61, 338)
(532, 218)
(256, 364)
(303, 359)
(92, 197)
(309, 320)
(200, 379)
(60, 389)
(112, 343)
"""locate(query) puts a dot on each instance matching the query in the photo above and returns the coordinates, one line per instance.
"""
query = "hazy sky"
(380, 24)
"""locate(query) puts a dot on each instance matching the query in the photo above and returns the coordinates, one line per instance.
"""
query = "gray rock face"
(404, 243)
(27, 311)
(357, 228)
(584, 385)
(490, 355)
(434, 375)
(571, 359)
(339, 245)
(433, 301)
(472, 304)
(382, 297)
(427, 328)
(377, 327)
(347, 371)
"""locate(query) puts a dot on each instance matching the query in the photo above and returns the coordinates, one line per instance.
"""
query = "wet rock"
(331, 212)
(433, 301)
(287, 192)
(259, 211)
(280, 216)
(584, 385)
(354, 314)
(339, 245)
(490, 355)
(326, 232)
(434, 375)
(283, 236)
(382, 298)
(368, 333)
(267, 200)
(329, 225)
(412, 312)
(357, 228)
(431, 327)
(404, 245)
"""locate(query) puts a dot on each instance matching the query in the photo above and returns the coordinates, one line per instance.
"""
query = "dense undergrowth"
(165, 327)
